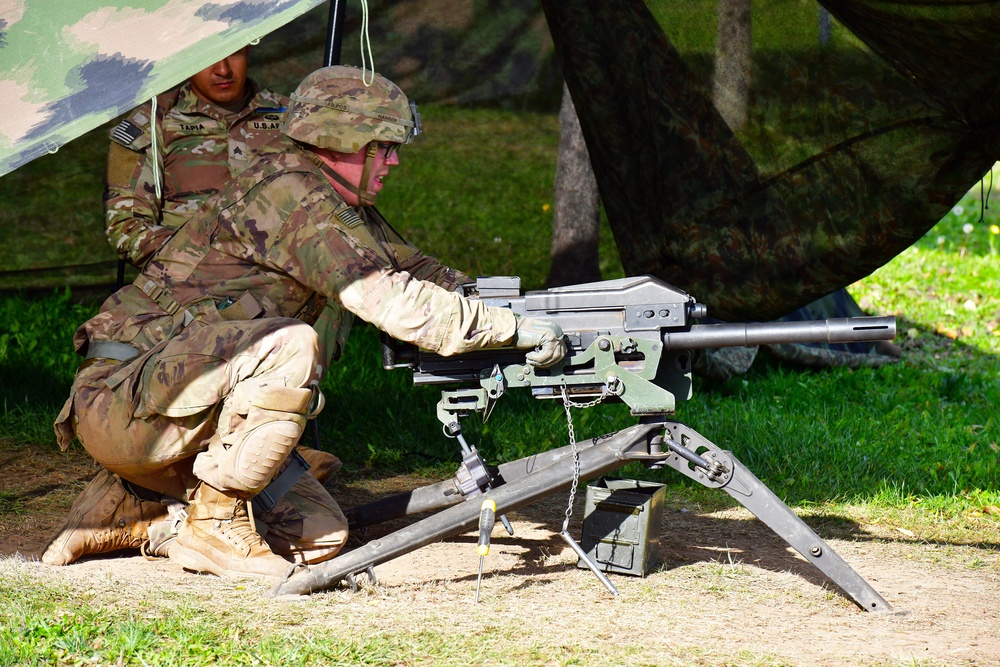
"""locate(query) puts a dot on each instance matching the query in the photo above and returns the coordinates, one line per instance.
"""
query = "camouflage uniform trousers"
(172, 422)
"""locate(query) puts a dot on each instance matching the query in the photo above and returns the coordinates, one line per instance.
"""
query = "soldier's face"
(352, 166)
(224, 82)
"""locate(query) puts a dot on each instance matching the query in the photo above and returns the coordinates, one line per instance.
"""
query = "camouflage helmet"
(333, 108)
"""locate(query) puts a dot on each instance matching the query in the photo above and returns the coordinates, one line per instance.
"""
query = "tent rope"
(365, 40)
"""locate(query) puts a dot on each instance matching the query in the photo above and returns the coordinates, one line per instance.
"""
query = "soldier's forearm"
(427, 315)
(422, 267)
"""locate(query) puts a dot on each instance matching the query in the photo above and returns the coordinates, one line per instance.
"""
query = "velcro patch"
(126, 132)
(122, 166)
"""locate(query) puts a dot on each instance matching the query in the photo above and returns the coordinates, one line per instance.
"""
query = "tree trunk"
(577, 206)
(733, 59)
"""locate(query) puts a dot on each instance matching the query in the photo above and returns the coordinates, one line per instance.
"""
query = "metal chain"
(583, 406)
(567, 406)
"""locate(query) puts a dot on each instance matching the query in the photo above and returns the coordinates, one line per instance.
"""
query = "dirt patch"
(726, 588)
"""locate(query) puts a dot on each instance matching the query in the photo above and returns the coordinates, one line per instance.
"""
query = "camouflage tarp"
(70, 65)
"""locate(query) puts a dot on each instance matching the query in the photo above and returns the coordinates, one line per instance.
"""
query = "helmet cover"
(333, 109)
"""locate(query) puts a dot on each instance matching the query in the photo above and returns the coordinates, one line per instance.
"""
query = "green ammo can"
(621, 525)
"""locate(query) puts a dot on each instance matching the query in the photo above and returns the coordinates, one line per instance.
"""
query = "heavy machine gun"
(629, 340)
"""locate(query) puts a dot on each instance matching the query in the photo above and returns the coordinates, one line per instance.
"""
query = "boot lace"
(118, 536)
(242, 529)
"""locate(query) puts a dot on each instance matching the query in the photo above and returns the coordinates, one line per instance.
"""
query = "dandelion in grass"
(958, 210)
(967, 229)
(994, 230)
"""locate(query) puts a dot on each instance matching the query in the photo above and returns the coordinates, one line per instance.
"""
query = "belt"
(109, 349)
(104, 351)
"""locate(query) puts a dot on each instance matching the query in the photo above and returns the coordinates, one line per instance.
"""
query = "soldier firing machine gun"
(629, 340)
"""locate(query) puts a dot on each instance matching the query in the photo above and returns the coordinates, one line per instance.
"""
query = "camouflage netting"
(851, 149)
(465, 52)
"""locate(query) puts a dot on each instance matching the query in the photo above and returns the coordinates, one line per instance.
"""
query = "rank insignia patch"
(349, 217)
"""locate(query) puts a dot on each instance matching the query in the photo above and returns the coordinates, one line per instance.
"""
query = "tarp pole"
(334, 32)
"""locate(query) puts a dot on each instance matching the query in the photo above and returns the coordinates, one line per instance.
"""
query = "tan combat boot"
(104, 518)
(219, 537)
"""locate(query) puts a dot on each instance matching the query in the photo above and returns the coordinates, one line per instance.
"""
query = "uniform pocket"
(180, 385)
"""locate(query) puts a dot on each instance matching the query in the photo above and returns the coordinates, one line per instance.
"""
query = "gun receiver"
(628, 340)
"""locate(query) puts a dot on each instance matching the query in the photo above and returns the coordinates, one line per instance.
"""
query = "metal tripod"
(656, 442)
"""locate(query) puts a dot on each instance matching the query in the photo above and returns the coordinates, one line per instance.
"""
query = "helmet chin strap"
(365, 197)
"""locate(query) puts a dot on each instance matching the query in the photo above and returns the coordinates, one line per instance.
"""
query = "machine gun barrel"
(838, 330)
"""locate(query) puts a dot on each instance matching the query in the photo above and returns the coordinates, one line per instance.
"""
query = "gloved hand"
(543, 338)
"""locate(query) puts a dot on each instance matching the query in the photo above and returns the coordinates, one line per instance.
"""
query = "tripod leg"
(728, 474)
(597, 458)
(444, 494)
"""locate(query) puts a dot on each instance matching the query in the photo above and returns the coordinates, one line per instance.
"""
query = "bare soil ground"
(727, 590)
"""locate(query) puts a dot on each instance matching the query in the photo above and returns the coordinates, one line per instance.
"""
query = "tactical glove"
(543, 338)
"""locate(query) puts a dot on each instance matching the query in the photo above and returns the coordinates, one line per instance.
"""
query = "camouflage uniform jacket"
(278, 241)
(200, 147)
